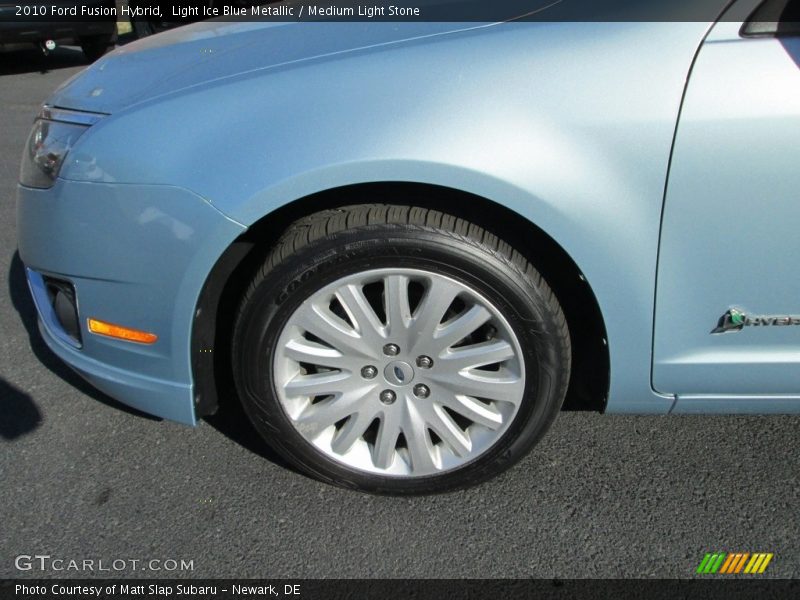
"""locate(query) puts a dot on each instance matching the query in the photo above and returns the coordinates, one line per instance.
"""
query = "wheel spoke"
(396, 305)
(420, 448)
(318, 384)
(386, 441)
(479, 355)
(474, 410)
(483, 384)
(430, 312)
(460, 327)
(361, 313)
(352, 430)
(318, 417)
(322, 323)
(305, 351)
(447, 429)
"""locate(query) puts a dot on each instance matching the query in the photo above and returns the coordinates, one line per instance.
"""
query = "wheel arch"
(218, 302)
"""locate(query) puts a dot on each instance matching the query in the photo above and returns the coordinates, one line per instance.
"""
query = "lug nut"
(388, 397)
(424, 362)
(369, 372)
(391, 349)
(421, 391)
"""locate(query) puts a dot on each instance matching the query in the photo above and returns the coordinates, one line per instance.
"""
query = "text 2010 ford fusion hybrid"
(403, 246)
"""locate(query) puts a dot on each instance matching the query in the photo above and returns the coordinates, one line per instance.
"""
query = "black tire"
(328, 245)
(95, 46)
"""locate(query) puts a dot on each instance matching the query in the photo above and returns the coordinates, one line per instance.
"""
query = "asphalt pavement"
(84, 478)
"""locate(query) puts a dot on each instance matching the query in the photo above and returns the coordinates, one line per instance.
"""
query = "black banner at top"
(185, 11)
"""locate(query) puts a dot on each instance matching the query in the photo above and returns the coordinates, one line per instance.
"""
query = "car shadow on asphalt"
(232, 422)
(23, 303)
(20, 414)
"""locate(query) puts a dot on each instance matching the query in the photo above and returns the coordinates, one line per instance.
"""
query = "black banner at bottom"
(388, 589)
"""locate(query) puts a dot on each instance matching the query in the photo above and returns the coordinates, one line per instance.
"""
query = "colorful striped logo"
(732, 563)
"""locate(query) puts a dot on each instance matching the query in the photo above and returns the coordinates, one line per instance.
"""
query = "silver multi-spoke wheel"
(399, 372)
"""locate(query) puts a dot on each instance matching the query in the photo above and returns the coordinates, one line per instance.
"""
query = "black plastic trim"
(773, 18)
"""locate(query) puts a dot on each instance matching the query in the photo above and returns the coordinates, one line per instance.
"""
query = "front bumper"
(137, 256)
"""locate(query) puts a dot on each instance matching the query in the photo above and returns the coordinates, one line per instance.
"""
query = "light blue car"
(404, 245)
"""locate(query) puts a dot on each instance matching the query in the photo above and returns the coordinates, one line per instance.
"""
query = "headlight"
(55, 131)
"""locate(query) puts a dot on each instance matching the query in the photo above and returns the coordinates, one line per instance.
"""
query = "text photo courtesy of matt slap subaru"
(277, 590)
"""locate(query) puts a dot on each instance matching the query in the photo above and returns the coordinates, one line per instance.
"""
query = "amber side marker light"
(121, 333)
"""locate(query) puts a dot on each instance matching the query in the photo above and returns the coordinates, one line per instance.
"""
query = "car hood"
(204, 52)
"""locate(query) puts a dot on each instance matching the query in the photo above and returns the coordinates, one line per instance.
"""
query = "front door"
(728, 283)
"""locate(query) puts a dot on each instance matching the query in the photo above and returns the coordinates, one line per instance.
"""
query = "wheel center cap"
(398, 372)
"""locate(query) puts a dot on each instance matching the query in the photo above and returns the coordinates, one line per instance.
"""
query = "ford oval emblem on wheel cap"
(398, 372)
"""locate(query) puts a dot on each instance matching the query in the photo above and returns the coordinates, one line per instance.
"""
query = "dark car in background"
(144, 24)
(26, 22)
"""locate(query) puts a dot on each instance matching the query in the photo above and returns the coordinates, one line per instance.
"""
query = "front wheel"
(396, 349)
